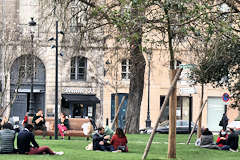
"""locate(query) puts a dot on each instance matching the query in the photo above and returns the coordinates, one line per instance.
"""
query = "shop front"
(80, 105)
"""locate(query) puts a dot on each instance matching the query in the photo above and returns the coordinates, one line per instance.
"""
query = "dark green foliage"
(220, 67)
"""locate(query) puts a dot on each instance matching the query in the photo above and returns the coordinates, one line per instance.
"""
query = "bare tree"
(13, 43)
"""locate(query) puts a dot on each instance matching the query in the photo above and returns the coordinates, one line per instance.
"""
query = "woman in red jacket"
(222, 139)
(119, 140)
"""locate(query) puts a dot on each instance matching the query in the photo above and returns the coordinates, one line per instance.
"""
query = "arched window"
(28, 66)
(78, 68)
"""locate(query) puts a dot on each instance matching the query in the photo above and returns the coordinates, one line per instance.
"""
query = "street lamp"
(56, 80)
(32, 24)
(148, 120)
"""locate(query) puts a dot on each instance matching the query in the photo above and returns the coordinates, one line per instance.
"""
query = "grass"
(75, 149)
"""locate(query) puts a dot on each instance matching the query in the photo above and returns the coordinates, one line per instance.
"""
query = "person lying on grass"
(25, 137)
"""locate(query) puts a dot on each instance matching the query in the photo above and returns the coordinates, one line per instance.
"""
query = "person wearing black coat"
(232, 140)
(24, 140)
(100, 141)
(39, 122)
(224, 121)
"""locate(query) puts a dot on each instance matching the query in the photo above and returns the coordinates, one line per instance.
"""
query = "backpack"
(221, 122)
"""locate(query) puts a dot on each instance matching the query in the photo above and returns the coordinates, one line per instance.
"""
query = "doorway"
(22, 72)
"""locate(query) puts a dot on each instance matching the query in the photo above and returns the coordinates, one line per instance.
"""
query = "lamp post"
(56, 80)
(148, 120)
(32, 23)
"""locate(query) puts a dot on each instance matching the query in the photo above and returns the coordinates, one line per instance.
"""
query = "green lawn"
(74, 150)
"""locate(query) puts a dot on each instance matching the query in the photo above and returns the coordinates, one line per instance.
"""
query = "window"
(182, 111)
(25, 67)
(126, 68)
(78, 16)
(78, 68)
(74, 19)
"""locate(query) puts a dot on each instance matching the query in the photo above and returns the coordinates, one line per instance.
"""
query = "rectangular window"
(78, 68)
(78, 16)
(126, 67)
(90, 111)
(74, 19)
(182, 112)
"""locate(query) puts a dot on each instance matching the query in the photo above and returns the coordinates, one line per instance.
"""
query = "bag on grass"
(122, 148)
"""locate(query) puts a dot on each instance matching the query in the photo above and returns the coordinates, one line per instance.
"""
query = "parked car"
(235, 125)
(182, 127)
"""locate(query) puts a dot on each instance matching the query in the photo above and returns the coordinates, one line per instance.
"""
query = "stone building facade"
(85, 77)
(79, 93)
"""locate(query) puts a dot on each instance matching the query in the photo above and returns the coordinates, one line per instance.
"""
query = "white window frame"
(128, 68)
(76, 66)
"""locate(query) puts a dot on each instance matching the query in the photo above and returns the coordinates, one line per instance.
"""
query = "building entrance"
(20, 85)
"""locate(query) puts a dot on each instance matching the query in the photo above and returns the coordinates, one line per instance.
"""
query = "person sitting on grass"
(222, 139)
(63, 124)
(25, 137)
(39, 122)
(206, 137)
(232, 140)
(206, 140)
(7, 136)
(119, 140)
(100, 141)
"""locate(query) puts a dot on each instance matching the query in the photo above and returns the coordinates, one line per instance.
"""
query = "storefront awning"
(81, 98)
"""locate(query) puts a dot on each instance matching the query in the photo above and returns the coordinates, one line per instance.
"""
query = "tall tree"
(213, 42)
(122, 20)
(168, 25)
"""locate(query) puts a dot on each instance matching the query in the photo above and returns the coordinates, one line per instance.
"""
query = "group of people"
(38, 122)
(26, 143)
(103, 140)
(116, 143)
(226, 140)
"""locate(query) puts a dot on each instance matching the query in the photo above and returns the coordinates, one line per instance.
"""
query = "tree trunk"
(160, 114)
(173, 96)
(116, 110)
(172, 119)
(136, 84)
(195, 124)
(199, 131)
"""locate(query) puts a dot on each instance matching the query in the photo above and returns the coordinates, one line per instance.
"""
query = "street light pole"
(56, 85)
(56, 80)
(32, 23)
(148, 120)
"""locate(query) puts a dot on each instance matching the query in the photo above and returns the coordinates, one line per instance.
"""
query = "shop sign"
(79, 90)
(189, 90)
